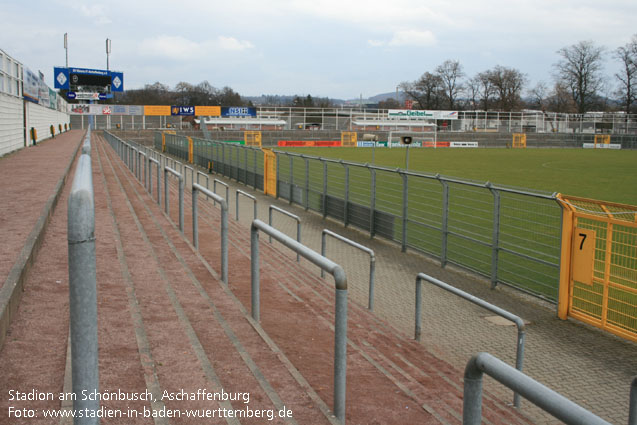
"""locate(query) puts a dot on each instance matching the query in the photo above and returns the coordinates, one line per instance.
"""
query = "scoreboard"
(85, 83)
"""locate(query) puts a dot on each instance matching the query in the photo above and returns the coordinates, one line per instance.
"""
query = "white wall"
(11, 123)
(41, 118)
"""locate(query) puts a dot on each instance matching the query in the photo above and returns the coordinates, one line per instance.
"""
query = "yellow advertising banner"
(208, 111)
(157, 110)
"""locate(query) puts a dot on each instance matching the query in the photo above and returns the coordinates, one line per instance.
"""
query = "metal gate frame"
(598, 277)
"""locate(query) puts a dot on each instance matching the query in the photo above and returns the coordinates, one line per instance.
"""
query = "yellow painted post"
(269, 172)
(565, 262)
(191, 154)
(163, 142)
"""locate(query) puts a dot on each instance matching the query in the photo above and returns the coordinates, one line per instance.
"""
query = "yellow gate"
(519, 140)
(598, 277)
(349, 138)
(269, 172)
(252, 138)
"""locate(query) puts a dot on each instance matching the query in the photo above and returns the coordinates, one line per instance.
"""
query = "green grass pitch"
(609, 175)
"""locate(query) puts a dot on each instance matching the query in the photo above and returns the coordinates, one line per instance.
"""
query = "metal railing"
(292, 216)
(224, 184)
(372, 260)
(340, 321)
(83, 286)
(224, 226)
(552, 402)
(247, 195)
(519, 358)
(150, 181)
(511, 236)
(168, 170)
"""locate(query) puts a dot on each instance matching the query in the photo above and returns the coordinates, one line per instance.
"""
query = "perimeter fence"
(509, 235)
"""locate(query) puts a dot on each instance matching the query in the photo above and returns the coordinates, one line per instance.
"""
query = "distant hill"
(286, 100)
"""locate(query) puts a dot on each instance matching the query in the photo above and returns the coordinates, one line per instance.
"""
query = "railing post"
(307, 184)
(403, 245)
(291, 192)
(324, 188)
(495, 248)
(195, 222)
(166, 204)
(83, 290)
(418, 308)
(346, 203)
(445, 222)
(372, 203)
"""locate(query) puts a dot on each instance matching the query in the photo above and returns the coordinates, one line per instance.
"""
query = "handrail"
(247, 195)
(372, 260)
(552, 402)
(83, 286)
(289, 214)
(150, 182)
(224, 226)
(340, 321)
(168, 170)
(214, 187)
(519, 359)
(192, 175)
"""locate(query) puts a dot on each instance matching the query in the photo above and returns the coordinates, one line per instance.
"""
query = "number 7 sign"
(583, 255)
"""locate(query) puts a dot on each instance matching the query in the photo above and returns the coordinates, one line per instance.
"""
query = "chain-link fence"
(509, 235)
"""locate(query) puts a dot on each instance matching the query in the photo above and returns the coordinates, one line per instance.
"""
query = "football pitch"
(608, 175)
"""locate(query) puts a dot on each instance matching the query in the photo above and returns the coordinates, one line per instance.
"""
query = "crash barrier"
(550, 401)
(340, 321)
(196, 188)
(83, 286)
(168, 170)
(247, 195)
(296, 218)
(372, 259)
(519, 359)
(216, 182)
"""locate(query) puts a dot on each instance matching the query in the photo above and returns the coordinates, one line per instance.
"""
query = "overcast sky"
(333, 48)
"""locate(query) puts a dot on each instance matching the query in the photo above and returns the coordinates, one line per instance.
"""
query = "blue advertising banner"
(182, 110)
(238, 111)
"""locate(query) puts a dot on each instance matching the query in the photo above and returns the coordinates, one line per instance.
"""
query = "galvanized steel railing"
(372, 259)
(247, 195)
(519, 358)
(168, 170)
(543, 397)
(83, 286)
(295, 217)
(224, 226)
(340, 280)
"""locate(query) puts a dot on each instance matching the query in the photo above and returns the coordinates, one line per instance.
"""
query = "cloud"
(413, 38)
(180, 48)
(96, 12)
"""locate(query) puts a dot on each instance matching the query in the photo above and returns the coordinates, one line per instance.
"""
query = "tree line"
(578, 85)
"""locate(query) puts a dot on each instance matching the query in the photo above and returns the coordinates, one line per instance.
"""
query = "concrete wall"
(11, 123)
(41, 118)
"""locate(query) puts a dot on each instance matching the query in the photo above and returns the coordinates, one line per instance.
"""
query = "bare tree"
(627, 76)
(486, 88)
(561, 99)
(427, 90)
(507, 84)
(539, 96)
(580, 69)
(450, 72)
(473, 91)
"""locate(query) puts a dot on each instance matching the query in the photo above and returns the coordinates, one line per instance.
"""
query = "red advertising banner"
(309, 143)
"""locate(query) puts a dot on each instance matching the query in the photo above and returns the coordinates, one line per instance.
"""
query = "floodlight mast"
(66, 47)
(108, 52)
